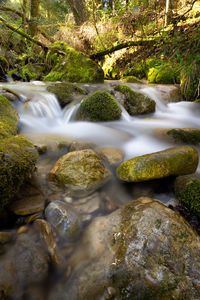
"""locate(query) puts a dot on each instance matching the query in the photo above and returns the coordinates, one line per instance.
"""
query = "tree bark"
(34, 13)
(100, 54)
(79, 10)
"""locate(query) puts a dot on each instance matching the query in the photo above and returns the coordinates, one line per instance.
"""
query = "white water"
(40, 114)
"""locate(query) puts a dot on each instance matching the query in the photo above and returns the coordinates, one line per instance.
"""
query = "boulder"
(17, 162)
(180, 135)
(112, 155)
(8, 118)
(100, 106)
(174, 161)
(73, 66)
(187, 190)
(24, 265)
(165, 74)
(143, 250)
(65, 92)
(81, 171)
(64, 219)
(134, 102)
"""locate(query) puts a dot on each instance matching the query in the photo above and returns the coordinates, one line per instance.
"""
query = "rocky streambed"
(93, 182)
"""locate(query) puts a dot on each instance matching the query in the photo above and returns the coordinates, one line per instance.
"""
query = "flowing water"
(45, 123)
(43, 120)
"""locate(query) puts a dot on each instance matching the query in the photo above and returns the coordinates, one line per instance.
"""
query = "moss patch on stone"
(136, 103)
(187, 190)
(100, 106)
(64, 91)
(165, 74)
(185, 135)
(170, 162)
(73, 66)
(8, 118)
(17, 161)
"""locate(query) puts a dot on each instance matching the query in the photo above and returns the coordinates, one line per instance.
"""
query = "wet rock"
(175, 161)
(131, 79)
(24, 264)
(113, 155)
(88, 205)
(66, 92)
(27, 206)
(17, 162)
(187, 190)
(100, 106)
(41, 148)
(142, 251)
(8, 118)
(49, 239)
(76, 146)
(134, 102)
(180, 135)
(64, 219)
(81, 171)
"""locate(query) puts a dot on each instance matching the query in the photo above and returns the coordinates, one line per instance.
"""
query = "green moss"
(64, 91)
(100, 106)
(185, 135)
(73, 66)
(131, 79)
(17, 162)
(170, 162)
(163, 74)
(136, 103)
(8, 117)
(187, 190)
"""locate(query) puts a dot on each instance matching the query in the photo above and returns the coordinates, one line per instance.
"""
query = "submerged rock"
(142, 251)
(136, 103)
(28, 205)
(180, 135)
(74, 66)
(17, 162)
(65, 92)
(24, 264)
(100, 106)
(112, 155)
(64, 219)
(81, 171)
(170, 162)
(187, 190)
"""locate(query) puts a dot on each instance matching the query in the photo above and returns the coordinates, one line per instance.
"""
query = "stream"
(45, 123)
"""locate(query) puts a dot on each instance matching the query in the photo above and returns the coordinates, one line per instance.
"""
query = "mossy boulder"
(185, 135)
(134, 102)
(8, 118)
(179, 135)
(73, 66)
(187, 191)
(165, 74)
(131, 79)
(81, 171)
(17, 162)
(65, 92)
(175, 161)
(189, 81)
(142, 251)
(100, 106)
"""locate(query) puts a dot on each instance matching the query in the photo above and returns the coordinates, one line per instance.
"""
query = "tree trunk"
(79, 10)
(166, 12)
(34, 13)
(24, 12)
